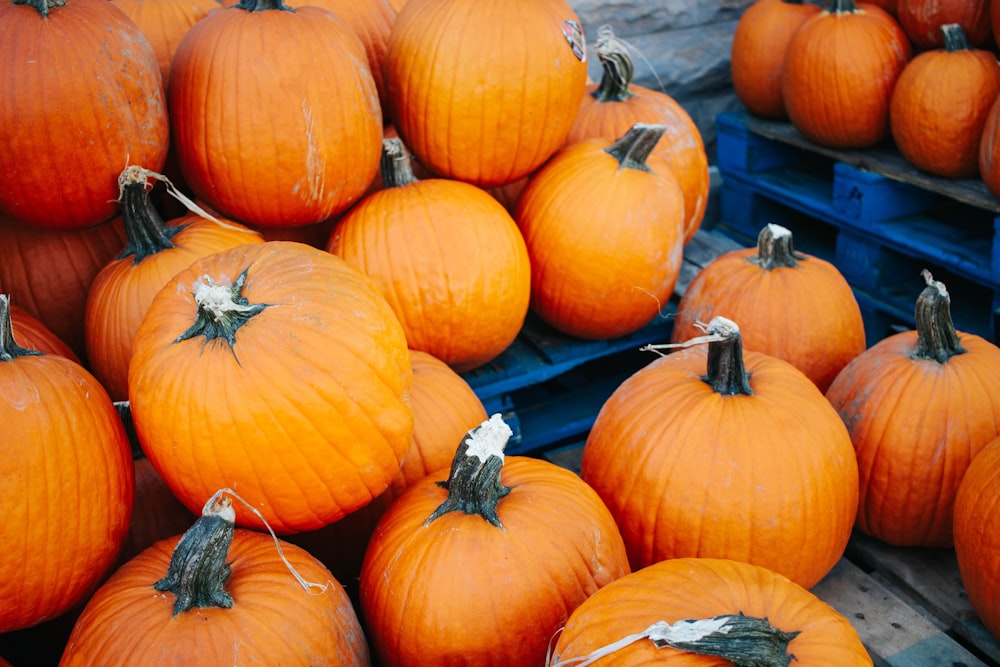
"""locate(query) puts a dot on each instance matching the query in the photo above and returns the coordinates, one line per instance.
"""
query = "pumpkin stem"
(145, 231)
(396, 165)
(936, 336)
(474, 485)
(726, 372)
(618, 67)
(632, 149)
(263, 5)
(954, 37)
(843, 7)
(774, 249)
(222, 310)
(198, 568)
(9, 349)
(43, 6)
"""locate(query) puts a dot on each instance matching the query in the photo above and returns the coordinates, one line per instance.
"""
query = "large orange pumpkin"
(839, 71)
(276, 369)
(604, 224)
(485, 92)
(275, 113)
(919, 406)
(791, 305)
(736, 608)
(216, 597)
(67, 488)
(483, 563)
(725, 454)
(69, 127)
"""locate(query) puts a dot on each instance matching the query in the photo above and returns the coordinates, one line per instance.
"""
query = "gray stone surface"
(640, 17)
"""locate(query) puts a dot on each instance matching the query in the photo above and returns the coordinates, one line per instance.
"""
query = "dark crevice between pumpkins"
(145, 231)
(937, 339)
(726, 370)
(618, 68)
(222, 310)
(633, 148)
(42, 6)
(396, 166)
(9, 349)
(474, 485)
(775, 249)
(198, 569)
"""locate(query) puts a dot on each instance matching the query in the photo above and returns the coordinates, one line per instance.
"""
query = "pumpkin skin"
(804, 289)
(758, 52)
(305, 411)
(921, 20)
(603, 221)
(156, 250)
(989, 150)
(694, 467)
(910, 465)
(977, 534)
(839, 71)
(448, 258)
(303, 144)
(940, 104)
(508, 588)
(697, 588)
(110, 112)
(68, 482)
(32, 333)
(492, 109)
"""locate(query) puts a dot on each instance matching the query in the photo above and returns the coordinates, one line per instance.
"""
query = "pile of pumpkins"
(232, 340)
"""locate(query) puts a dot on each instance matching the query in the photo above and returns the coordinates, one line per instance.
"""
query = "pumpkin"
(492, 109)
(758, 52)
(989, 150)
(31, 333)
(96, 105)
(482, 563)
(274, 113)
(610, 108)
(940, 104)
(701, 612)
(219, 596)
(68, 482)
(977, 534)
(791, 305)
(921, 20)
(603, 221)
(725, 453)
(887, 5)
(155, 251)
(277, 369)
(840, 68)
(919, 406)
(448, 258)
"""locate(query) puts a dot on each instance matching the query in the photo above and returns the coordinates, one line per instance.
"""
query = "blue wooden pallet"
(876, 218)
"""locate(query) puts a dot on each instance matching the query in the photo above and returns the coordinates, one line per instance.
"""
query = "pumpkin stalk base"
(937, 339)
(726, 370)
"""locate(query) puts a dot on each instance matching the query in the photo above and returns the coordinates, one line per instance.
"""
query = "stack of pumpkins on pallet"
(284, 353)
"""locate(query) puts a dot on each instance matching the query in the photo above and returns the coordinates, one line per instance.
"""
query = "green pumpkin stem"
(264, 5)
(42, 6)
(633, 149)
(198, 569)
(726, 372)
(774, 249)
(618, 68)
(145, 231)
(954, 38)
(937, 339)
(222, 310)
(396, 164)
(9, 349)
(842, 7)
(124, 410)
(474, 485)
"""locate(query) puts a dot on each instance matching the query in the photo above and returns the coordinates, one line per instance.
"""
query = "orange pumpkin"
(219, 596)
(725, 454)
(279, 370)
(275, 113)
(989, 149)
(921, 20)
(940, 104)
(501, 548)
(96, 105)
(919, 406)
(758, 52)
(793, 306)
(734, 604)
(839, 71)
(448, 258)
(68, 482)
(614, 105)
(32, 334)
(155, 252)
(603, 221)
(457, 125)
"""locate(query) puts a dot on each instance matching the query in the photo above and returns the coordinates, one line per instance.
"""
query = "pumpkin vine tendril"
(9, 349)
(222, 310)
(936, 336)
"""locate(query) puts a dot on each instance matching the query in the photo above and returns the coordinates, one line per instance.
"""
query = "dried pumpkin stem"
(396, 164)
(263, 5)
(633, 149)
(9, 349)
(145, 231)
(222, 310)
(43, 6)
(617, 65)
(726, 371)
(774, 249)
(842, 7)
(936, 336)
(954, 37)
(474, 485)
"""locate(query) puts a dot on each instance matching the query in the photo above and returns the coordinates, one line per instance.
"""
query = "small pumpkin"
(483, 563)
(919, 406)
